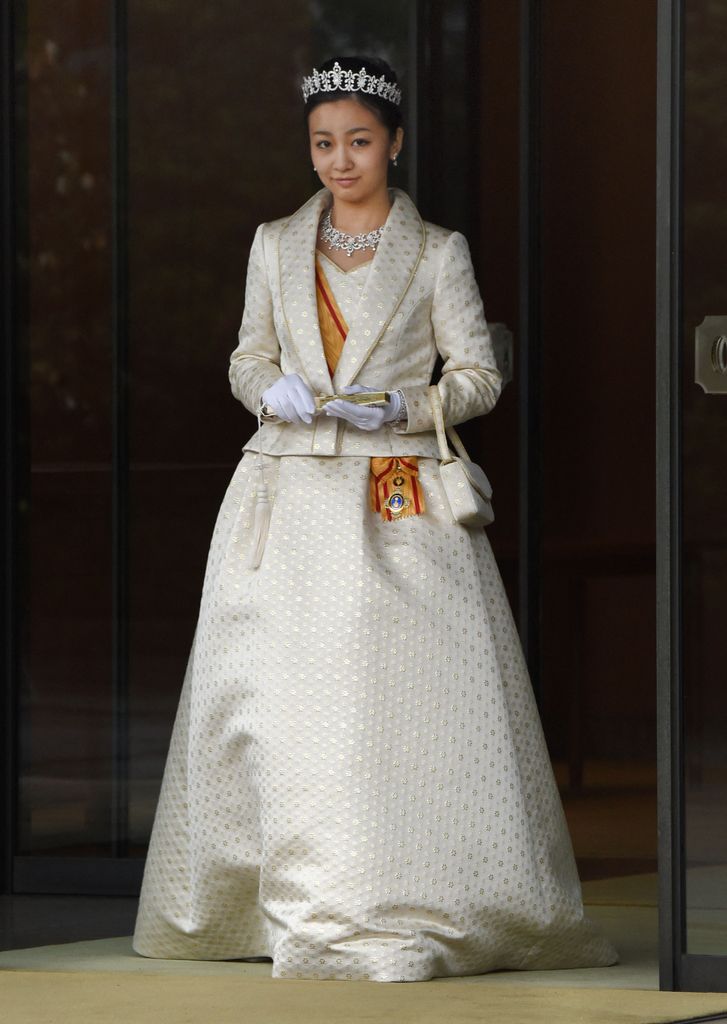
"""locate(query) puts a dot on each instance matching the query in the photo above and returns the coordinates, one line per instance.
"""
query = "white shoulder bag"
(465, 483)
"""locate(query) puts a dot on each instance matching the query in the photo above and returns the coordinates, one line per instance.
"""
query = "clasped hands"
(292, 400)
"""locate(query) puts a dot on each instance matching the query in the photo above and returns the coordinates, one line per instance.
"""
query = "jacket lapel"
(296, 267)
(392, 270)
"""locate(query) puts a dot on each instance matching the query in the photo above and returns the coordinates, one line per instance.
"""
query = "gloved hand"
(291, 398)
(365, 417)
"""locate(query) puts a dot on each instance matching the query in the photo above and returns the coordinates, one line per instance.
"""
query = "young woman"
(357, 785)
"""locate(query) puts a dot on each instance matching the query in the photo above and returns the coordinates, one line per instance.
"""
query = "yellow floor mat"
(33, 997)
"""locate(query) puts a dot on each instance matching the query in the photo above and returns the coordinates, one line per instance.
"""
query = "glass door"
(692, 492)
(143, 144)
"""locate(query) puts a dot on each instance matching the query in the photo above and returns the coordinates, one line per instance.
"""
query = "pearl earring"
(395, 159)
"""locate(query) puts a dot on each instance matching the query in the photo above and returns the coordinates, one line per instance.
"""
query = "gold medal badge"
(394, 488)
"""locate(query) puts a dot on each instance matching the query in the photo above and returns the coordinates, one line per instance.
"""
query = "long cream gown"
(357, 784)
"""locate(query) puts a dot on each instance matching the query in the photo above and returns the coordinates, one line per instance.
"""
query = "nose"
(342, 159)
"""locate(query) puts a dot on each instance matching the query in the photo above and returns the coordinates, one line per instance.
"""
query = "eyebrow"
(350, 131)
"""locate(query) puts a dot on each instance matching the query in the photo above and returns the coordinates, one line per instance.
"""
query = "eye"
(322, 144)
(364, 142)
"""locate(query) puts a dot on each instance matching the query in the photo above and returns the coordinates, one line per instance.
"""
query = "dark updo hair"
(387, 112)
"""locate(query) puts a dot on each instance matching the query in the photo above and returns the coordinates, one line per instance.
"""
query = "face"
(351, 149)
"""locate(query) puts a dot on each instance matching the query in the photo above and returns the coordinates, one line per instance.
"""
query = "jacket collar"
(392, 269)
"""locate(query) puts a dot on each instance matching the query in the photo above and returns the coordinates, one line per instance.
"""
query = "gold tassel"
(263, 509)
(260, 526)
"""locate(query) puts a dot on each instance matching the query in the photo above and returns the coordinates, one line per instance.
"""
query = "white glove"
(290, 398)
(365, 417)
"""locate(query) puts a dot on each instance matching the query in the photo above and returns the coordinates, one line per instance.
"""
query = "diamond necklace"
(336, 239)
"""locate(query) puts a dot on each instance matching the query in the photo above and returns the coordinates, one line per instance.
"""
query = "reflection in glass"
(64, 736)
(216, 145)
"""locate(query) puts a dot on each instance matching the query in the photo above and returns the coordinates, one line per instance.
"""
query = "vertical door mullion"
(529, 348)
(9, 434)
(120, 447)
(668, 488)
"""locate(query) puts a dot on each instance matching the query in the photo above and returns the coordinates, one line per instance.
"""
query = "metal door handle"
(710, 355)
(719, 354)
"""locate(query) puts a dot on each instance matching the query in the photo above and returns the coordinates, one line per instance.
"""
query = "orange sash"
(394, 488)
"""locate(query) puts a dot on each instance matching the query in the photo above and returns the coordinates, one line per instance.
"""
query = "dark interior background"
(599, 676)
(597, 574)
(215, 146)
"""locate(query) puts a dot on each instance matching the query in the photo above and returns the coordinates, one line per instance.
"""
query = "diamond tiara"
(350, 81)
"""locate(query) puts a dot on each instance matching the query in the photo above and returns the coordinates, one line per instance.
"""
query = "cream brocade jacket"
(420, 297)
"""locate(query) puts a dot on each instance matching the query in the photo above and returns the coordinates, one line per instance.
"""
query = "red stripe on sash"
(329, 306)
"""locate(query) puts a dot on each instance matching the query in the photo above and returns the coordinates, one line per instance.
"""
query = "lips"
(345, 181)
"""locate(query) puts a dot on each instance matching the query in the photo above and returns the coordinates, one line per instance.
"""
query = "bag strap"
(435, 400)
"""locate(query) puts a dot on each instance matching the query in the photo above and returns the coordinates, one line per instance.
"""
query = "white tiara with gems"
(350, 81)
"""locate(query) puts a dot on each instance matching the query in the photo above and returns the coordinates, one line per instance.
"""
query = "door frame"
(530, 478)
(670, 62)
(678, 969)
(8, 600)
